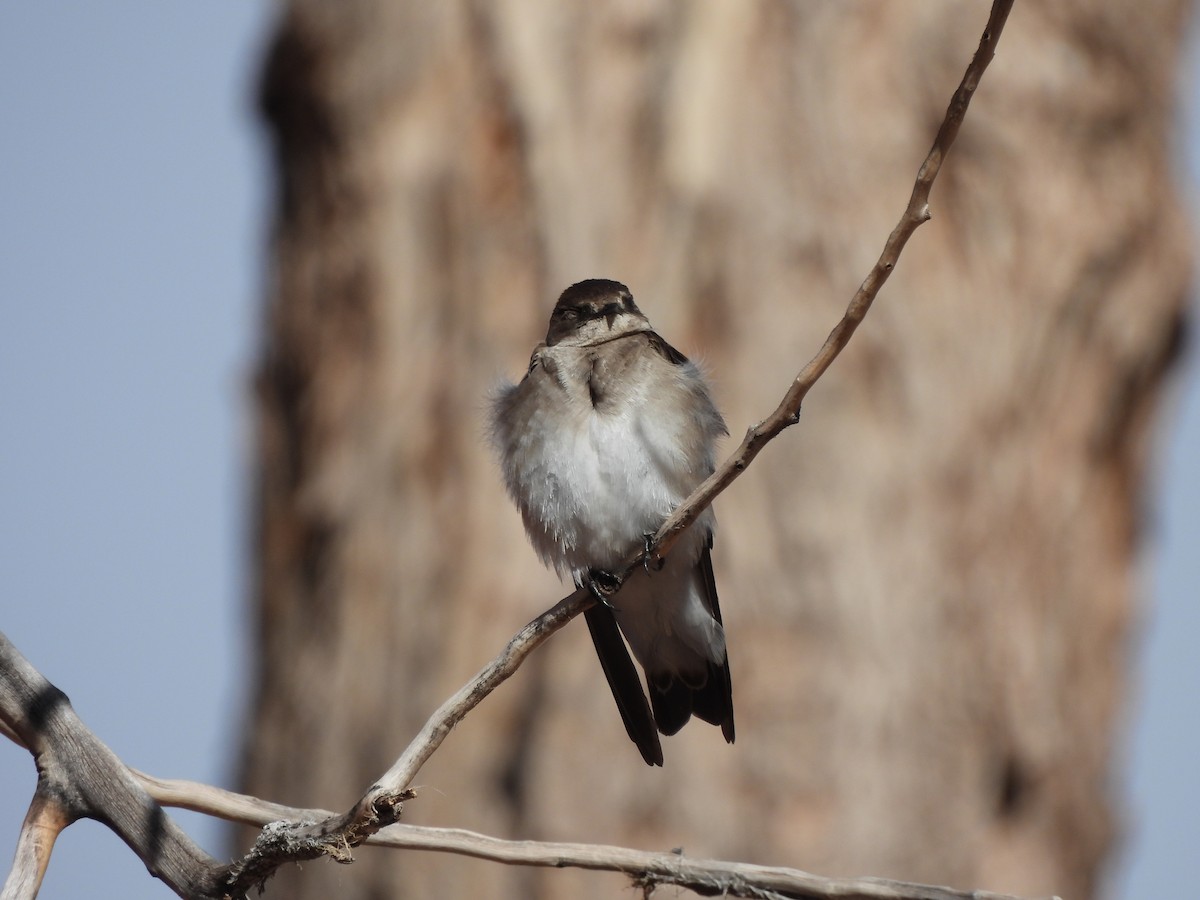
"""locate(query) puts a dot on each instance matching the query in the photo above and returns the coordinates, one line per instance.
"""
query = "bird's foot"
(648, 556)
(602, 585)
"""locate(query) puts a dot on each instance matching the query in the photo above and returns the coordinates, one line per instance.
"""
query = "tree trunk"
(929, 585)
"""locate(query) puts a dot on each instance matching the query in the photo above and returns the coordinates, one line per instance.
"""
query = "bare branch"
(704, 876)
(439, 725)
(179, 793)
(43, 822)
(85, 779)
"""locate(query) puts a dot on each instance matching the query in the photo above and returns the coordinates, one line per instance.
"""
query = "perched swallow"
(610, 430)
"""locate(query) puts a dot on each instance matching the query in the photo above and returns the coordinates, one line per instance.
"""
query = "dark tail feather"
(624, 682)
(671, 700)
(675, 701)
(713, 702)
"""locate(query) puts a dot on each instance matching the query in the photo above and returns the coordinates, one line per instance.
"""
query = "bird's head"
(592, 312)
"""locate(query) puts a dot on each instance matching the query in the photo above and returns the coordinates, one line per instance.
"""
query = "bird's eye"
(568, 315)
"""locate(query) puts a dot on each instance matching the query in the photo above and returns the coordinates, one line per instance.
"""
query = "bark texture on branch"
(928, 585)
(80, 777)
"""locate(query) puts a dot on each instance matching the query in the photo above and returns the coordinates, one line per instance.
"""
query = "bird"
(610, 429)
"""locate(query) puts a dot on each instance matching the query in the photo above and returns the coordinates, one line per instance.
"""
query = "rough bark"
(80, 777)
(928, 585)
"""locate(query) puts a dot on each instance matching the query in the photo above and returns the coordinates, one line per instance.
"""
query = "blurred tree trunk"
(930, 585)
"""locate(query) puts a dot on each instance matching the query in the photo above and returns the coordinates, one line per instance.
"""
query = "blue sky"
(132, 186)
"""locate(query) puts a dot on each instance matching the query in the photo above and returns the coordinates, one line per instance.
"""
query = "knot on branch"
(381, 811)
(730, 885)
(284, 842)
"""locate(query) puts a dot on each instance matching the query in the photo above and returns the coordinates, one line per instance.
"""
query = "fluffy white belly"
(607, 486)
(596, 455)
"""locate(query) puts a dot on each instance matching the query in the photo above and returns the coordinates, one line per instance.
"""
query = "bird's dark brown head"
(592, 307)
